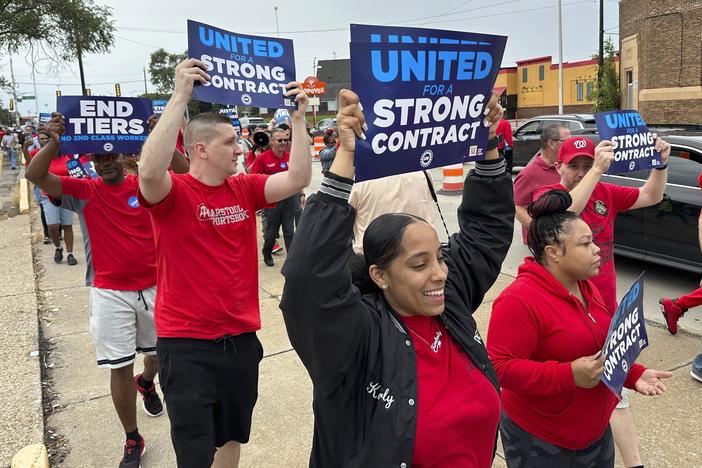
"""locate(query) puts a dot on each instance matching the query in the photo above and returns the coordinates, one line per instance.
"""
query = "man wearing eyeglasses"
(273, 161)
(540, 171)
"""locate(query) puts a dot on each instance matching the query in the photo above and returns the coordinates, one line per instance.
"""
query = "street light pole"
(277, 27)
(560, 58)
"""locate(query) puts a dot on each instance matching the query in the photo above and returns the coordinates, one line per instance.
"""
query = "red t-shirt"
(268, 163)
(32, 153)
(536, 174)
(207, 257)
(504, 129)
(250, 158)
(606, 201)
(119, 229)
(458, 408)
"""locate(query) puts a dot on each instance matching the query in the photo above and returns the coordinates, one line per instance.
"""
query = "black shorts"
(210, 388)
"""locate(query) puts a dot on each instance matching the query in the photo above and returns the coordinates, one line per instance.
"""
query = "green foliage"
(64, 25)
(162, 69)
(607, 96)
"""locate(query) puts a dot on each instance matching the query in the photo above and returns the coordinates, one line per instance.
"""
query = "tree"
(607, 96)
(89, 28)
(69, 28)
(162, 69)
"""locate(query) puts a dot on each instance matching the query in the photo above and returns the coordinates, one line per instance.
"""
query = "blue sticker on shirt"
(133, 202)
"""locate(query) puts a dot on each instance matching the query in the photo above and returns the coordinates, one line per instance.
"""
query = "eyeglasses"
(282, 140)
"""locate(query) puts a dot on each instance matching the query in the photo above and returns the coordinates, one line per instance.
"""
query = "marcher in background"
(326, 156)
(540, 171)
(43, 138)
(581, 166)
(545, 337)
(401, 376)
(59, 219)
(124, 286)
(504, 147)
(130, 162)
(274, 161)
(9, 145)
(205, 227)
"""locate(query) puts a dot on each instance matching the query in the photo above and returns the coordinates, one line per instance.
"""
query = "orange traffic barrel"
(453, 180)
(244, 133)
(318, 146)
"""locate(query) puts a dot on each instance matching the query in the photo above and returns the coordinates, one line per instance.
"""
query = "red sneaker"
(133, 451)
(672, 313)
(151, 402)
(277, 248)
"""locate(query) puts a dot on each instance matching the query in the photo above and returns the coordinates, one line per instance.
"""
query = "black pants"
(523, 450)
(210, 387)
(282, 215)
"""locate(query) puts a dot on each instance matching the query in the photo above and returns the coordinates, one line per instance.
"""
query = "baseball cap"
(574, 147)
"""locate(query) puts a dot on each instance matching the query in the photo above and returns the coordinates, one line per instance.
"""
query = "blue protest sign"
(423, 97)
(103, 124)
(626, 338)
(633, 142)
(159, 105)
(248, 70)
(81, 170)
(281, 116)
(44, 117)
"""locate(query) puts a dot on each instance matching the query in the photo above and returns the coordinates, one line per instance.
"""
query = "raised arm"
(157, 153)
(38, 170)
(326, 322)
(299, 173)
(654, 188)
(604, 155)
(486, 222)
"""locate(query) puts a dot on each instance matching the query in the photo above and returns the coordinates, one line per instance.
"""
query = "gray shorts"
(122, 324)
(55, 214)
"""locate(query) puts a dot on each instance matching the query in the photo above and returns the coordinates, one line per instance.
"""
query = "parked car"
(322, 126)
(527, 137)
(665, 233)
(246, 121)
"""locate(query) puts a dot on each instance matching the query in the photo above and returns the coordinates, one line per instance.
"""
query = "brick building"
(661, 59)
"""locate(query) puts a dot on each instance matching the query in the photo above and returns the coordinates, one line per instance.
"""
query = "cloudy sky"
(318, 28)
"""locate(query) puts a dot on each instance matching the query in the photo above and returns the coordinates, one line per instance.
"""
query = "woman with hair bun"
(545, 335)
(401, 376)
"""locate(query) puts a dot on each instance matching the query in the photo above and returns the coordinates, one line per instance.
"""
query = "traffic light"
(118, 90)
(12, 104)
(88, 92)
(58, 92)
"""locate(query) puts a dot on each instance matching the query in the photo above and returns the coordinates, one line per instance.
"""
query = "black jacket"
(358, 353)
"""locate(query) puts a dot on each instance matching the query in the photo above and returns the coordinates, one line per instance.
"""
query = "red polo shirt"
(536, 174)
(268, 163)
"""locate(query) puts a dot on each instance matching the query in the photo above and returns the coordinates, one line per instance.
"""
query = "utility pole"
(14, 93)
(600, 60)
(34, 82)
(560, 58)
(146, 91)
(277, 27)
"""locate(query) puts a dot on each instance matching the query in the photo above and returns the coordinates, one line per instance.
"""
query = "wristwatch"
(493, 142)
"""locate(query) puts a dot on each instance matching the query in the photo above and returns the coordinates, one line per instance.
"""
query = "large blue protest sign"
(626, 338)
(244, 70)
(103, 124)
(423, 97)
(633, 143)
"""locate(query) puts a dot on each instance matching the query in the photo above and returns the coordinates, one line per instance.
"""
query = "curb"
(31, 456)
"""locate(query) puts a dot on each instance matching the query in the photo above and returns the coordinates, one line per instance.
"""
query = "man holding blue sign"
(207, 310)
(121, 242)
